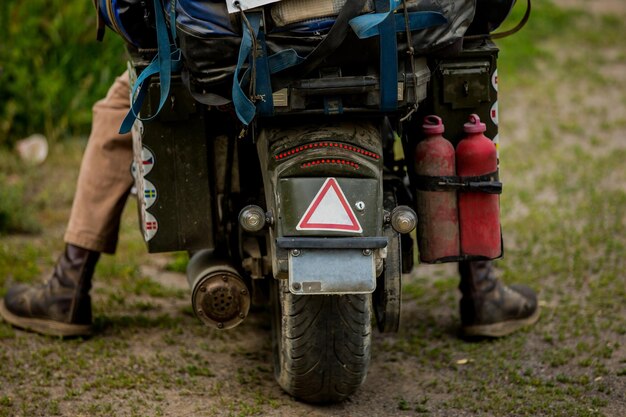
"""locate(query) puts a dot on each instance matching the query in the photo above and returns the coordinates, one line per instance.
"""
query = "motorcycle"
(310, 207)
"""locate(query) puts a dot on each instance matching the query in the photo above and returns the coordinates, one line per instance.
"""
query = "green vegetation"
(52, 69)
(13, 219)
(17, 204)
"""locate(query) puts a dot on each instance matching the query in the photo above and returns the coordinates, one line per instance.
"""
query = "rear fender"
(322, 182)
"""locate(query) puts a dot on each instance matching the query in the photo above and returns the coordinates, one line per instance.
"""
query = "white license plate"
(332, 271)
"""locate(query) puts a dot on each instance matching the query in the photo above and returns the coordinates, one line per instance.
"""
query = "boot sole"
(500, 329)
(43, 326)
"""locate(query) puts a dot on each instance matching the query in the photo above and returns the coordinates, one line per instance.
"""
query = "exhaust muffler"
(219, 295)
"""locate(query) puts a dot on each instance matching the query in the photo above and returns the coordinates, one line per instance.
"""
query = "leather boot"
(62, 305)
(488, 307)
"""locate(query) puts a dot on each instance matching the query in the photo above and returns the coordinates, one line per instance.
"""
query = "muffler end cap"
(221, 300)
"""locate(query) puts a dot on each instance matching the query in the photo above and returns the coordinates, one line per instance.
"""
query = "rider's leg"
(488, 307)
(105, 177)
(62, 305)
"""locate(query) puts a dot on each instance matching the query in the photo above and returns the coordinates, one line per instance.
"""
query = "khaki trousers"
(105, 179)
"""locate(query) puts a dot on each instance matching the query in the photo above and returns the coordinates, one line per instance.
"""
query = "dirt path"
(151, 357)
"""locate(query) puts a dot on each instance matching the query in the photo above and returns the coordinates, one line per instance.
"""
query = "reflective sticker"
(150, 226)
(137, 153)
(330, 211)
(136, 130)
(149, 193)
(494, 113)
(147, 160)
(494, 80)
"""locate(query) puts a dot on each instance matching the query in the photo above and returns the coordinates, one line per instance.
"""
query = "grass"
(564, 221)
(566, 235)
(16, 210)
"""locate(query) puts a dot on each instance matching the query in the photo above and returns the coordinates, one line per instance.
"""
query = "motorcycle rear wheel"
(321, 343)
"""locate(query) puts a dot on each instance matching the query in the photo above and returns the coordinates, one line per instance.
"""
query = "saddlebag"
(246, 57)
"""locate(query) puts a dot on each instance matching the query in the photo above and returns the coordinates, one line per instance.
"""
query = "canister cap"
(433, 125)
(474, 125)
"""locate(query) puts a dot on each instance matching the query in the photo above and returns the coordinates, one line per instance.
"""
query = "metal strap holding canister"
(488, 183)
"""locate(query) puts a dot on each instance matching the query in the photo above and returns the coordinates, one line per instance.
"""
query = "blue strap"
(384, 8)
(172, 13)
(263, 83)
(366, 26)
(388, 57)
(244, 107)
(168, 59)
(284, 59)
(385, 24)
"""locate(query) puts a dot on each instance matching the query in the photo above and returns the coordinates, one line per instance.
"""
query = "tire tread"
(324, 351)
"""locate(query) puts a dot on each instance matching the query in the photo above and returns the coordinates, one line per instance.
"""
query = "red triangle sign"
(330, 210)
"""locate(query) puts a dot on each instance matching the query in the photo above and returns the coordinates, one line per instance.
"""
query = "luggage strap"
(253, 50)
(388, 57)
(166, 61)
(287, 62)
(385, 23)
(333, 39)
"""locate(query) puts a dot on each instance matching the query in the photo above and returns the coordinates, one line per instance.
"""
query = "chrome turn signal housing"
(252, 218)
(403, 219)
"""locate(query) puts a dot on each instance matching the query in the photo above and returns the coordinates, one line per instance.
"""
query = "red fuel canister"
(437, 211)
(479, 212)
